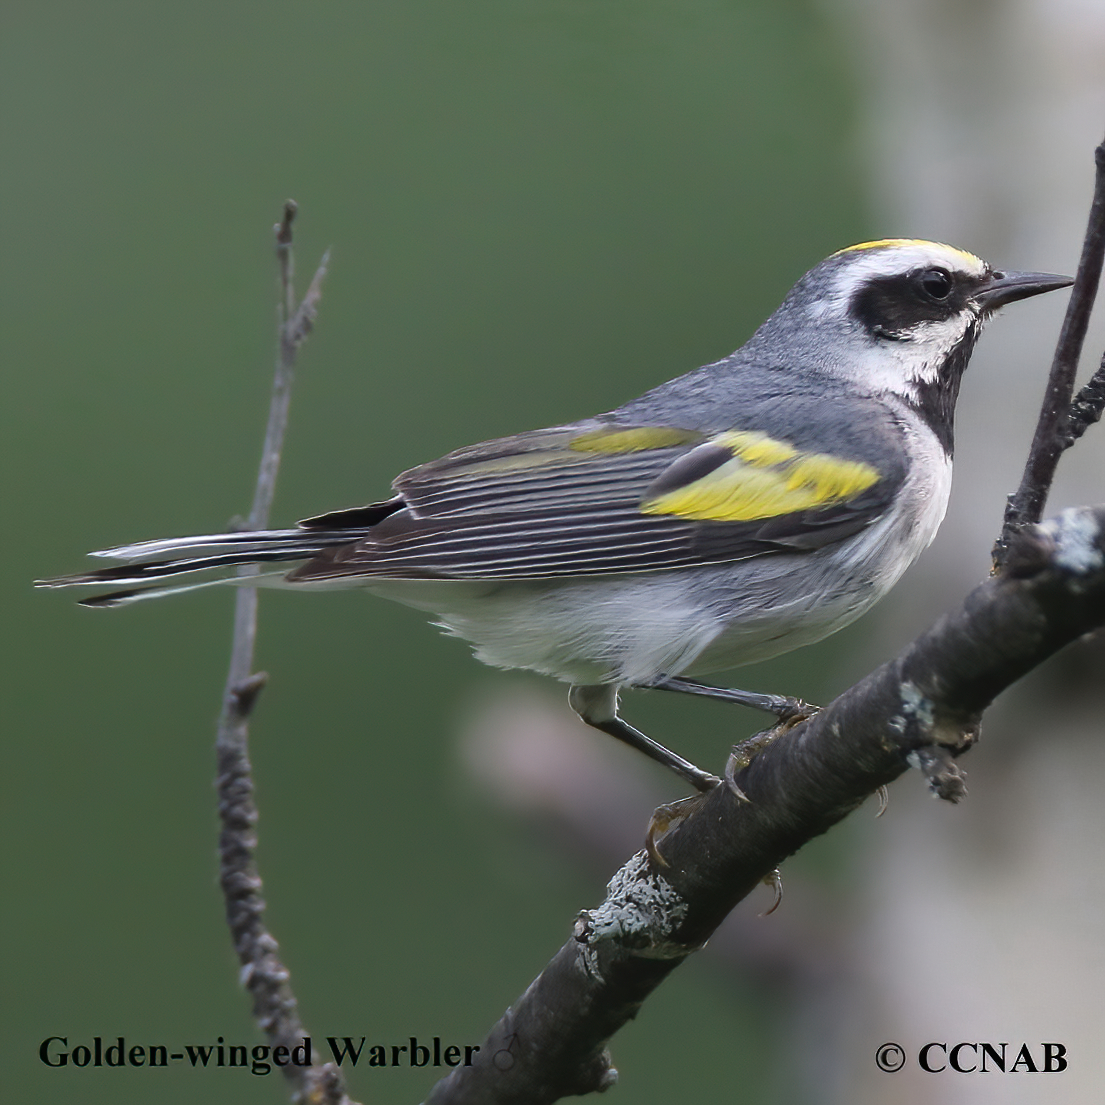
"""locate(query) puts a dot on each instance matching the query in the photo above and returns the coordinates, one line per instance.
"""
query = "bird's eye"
(937, 283)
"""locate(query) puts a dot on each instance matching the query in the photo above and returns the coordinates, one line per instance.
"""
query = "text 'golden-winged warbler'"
(751, 506)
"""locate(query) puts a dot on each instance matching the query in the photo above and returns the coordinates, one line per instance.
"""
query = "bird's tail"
(144, 566)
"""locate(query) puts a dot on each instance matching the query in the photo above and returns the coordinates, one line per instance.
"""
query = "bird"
(739, 511)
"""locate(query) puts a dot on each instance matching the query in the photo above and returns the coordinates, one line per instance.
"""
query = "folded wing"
(607, 498)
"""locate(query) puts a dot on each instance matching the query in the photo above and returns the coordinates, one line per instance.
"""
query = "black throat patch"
(934, 400)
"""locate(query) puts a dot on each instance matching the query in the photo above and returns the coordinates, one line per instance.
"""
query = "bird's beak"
(1007, 287)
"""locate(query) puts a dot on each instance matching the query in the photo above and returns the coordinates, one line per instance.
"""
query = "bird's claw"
(775, 881)
(664, 819)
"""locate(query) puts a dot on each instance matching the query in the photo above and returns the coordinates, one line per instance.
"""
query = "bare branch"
(1056, 428)
(263, 974)
(301, 322)
(1087, 406)
(291, 332)
(921, 709)
(285, 260)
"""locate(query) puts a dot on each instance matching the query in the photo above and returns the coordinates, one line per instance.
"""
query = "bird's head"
(899, 315)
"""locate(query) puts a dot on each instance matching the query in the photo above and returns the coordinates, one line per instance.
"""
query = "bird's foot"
(664, 819)
(745, 752)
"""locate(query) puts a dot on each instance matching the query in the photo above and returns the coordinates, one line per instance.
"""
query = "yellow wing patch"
(765, 478)
(632, 440)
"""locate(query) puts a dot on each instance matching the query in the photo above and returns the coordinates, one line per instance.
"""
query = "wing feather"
(610, 498)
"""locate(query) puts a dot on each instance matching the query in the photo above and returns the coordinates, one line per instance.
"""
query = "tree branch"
(263, 974)
(1087, 406)
(921, 709)
(1061, 423)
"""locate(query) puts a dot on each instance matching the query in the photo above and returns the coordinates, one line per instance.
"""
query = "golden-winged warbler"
(753, 505)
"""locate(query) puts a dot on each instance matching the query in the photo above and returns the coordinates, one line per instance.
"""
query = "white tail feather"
(245, 543)
(144, 567)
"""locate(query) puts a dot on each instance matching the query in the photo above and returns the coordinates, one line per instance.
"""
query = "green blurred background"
(537, 210)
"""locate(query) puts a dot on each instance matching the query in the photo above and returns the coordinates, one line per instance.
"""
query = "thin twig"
(263, 974)
(1087, 406)
(1053, 430)
(302, 321)
(283, 374)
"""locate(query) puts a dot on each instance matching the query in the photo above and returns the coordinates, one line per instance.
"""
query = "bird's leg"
(598, 706)
(783, 707)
